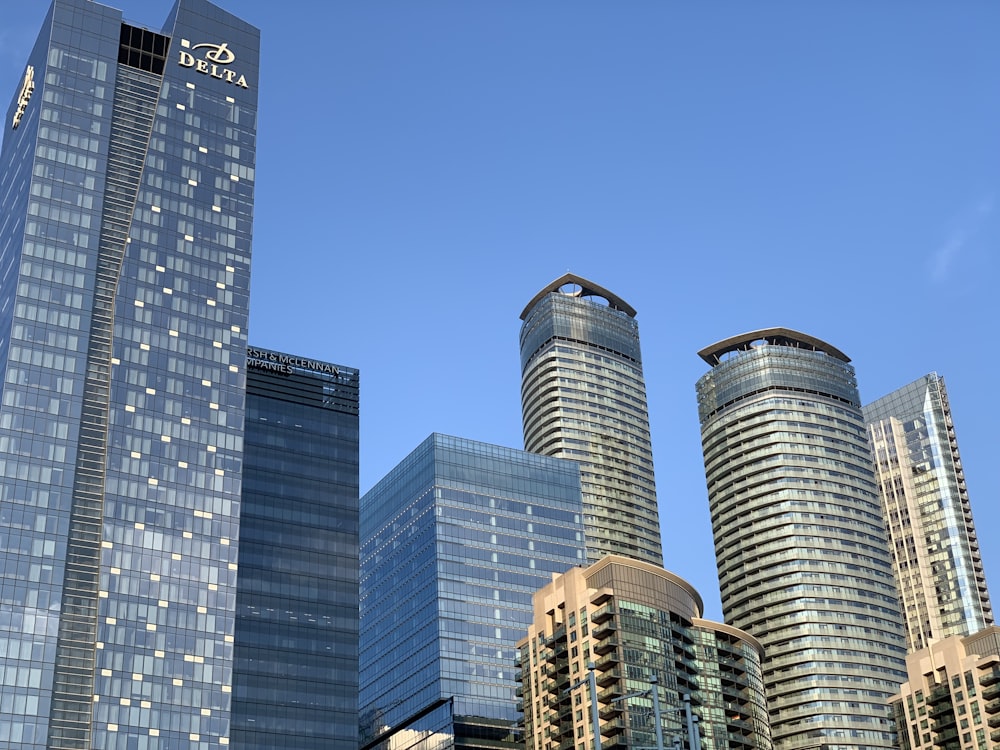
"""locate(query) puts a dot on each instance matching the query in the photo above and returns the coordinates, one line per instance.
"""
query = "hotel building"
(126, 205)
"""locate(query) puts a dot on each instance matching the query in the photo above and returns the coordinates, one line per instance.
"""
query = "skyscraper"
(295, 677)
(629, 621)
(935, 551)
(800, 540)
(126, 202)
(454, 541)
(583, 397)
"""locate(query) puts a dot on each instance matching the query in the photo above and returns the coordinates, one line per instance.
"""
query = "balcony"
(993, 691)
(609, 694)
(611, 711)
(942, 713)
(600, 632)
(939, 693)
(603, 614)
(612, 727)
(603, 647)
(990, 678)
(606, 678)
(607, 661)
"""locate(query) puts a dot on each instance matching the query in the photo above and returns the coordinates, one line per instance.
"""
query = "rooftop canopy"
(768, 336)
(577, 286)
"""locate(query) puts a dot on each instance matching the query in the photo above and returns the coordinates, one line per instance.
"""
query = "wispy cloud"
(969, 223)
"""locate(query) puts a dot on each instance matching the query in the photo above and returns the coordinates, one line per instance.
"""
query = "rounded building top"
(576, 286)
(744, 342)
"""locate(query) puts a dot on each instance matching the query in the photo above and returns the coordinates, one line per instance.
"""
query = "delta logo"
(213, 62)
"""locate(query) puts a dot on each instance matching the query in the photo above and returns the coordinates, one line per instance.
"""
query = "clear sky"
(424, 168)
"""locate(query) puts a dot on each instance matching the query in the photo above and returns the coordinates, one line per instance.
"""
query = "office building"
(800, 540)
(583, 397)
(454, 541)
(951, 700)
(935, 551)
(626, 622)
(295, 677)
(126, 204)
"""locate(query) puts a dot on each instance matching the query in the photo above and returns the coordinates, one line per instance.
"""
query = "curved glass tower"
(583, 397)
(800, 540)
(935, 550)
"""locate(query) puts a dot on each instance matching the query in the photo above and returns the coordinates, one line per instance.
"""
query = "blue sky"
(424, 168)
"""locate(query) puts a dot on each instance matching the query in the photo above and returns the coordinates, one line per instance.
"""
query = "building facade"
(951, 700)
(630, 621)
(455, 540)
(800, 540)
(126, 203)
(935, 550)
(295, 675)
(583, 397)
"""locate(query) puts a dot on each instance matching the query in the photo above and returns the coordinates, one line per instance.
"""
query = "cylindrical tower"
(583, 397)
(800, 540)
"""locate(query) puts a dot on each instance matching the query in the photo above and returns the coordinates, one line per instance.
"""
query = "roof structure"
(585, 289)
(768, 336)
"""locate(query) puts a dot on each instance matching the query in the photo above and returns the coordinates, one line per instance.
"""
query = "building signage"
(212, 62)
(25, 96)
(261, 359)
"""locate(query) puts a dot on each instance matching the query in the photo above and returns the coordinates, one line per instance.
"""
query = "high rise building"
(935, 551)
(583, 397)
(126, 203)
(952, 698)
(800, 539)
(295, 677)
(627, 622)
(454, 541)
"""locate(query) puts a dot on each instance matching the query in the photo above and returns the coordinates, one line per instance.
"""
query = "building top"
(744, 342)
(301, 380)
(580, 287)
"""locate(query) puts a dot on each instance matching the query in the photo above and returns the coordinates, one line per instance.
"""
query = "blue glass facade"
(126, 178)
(455, 540)
(295, 680)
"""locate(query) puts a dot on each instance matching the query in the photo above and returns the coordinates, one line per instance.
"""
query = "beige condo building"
(952, 698)
(601, 633)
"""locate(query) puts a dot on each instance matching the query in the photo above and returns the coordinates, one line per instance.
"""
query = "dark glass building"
(295, 679)
(126, 204)
(455, 540)
(583, 397)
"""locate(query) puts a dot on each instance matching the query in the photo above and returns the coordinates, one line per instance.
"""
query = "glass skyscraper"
(454, 542)
(583, 397)
(935, 551)
(295, 678)
(800, 539)
(126, 203)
